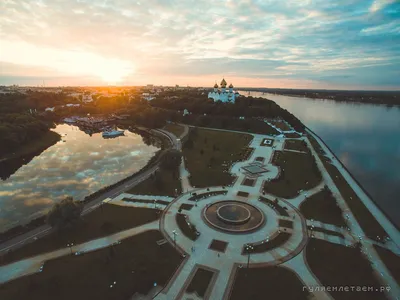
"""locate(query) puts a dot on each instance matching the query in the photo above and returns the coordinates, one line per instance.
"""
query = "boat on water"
(112, 133)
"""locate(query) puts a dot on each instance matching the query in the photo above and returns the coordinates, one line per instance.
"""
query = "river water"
(77, 167)
(365, 137)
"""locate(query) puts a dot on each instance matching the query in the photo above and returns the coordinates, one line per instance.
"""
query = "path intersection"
(221, 214)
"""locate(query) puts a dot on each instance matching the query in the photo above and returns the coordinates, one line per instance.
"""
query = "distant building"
(186, 112)
(50, 109)
(147, 96)
(222, 94)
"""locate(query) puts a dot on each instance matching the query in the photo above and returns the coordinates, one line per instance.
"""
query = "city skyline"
(291, 44)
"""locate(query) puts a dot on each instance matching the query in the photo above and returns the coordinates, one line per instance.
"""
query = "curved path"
(41, 231)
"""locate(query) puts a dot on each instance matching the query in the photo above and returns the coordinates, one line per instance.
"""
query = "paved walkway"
(33, 264)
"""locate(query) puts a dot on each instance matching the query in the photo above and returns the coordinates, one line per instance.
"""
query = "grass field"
(323, 207)
(212, 154)
(281, 125)
(365, 218)
(298, 145)
(163, 183)
(200, 282)
(134, 265)
(391, 260)
(267, 283)
(340, 266)
(98, 223)
(298, 172)
(175, 129)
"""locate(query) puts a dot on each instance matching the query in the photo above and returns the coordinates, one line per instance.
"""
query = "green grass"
(364, 217)
(134, 265)
(165, 185)
(391, 260)
(275, 205)
(281, 125)
(212, 154)
(323, 207)
(200, 282)
(36, 145)
(267, 283)
(298, 145)
(175, 129)
(298, 172)
(339, 266)
(98, 223)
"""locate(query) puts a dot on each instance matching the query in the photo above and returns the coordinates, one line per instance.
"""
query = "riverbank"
(35, 146)
(94, 197)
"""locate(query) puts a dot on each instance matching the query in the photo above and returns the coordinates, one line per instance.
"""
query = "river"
(77, 166)
(365, 137)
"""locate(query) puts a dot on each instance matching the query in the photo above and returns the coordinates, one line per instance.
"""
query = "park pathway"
(34, 264)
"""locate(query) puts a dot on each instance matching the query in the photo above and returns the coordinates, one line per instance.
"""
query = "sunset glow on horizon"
(283, 44)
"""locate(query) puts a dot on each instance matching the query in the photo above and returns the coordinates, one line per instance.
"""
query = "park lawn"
(187, 229)
(165, 185)
(280, 124)
(298, 172)
(298, 145)
(275, 242)
(100, 222)
(36, 145)
(135, 265)
(365, 218)
(200, 282)
(267, 283)
(212, 155)
(339, 266)
(391, 260)
(175, 129)
(323, 207)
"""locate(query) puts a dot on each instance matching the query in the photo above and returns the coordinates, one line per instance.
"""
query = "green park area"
(200, 282)
(267, 283)
(175, 129)
(323, 207)
(162, 183)
(103, 221)
(339, 266)
(298, 171)
(297, 145)
(209, 154)
(391, 260)
(364, 217)
(280, 124)
(116, 272)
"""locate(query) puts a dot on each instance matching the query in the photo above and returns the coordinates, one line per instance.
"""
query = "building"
(222, 94)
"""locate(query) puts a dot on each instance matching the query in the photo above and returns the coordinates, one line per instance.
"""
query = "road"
(43, 230)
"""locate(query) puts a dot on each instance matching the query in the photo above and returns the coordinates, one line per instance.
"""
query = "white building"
(222, 94)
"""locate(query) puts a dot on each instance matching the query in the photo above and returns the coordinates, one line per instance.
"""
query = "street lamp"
(248, 249)
(175, 234)
(70, 247)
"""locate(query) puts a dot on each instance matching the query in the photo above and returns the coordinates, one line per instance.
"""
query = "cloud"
(148, 41)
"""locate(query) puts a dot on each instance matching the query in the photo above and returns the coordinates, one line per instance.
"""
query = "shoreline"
(40, 221)
(355, 180)
(325, 99)
(39, 145)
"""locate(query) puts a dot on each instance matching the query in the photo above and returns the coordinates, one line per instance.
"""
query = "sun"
(113, 71)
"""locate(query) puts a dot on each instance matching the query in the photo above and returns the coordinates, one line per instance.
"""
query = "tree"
(64, 213)
(171, 159)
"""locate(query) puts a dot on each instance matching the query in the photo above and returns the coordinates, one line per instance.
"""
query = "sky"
(335, 44)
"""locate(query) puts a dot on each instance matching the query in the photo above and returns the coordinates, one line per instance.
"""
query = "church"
(222, 94)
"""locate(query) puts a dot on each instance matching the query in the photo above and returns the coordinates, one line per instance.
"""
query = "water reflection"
(77, 167)
(365, 137)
